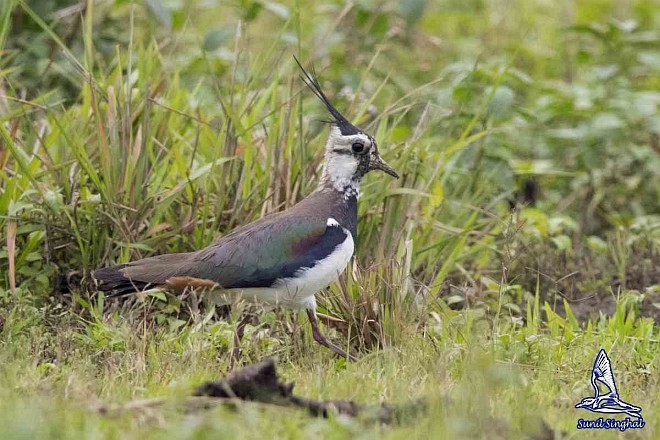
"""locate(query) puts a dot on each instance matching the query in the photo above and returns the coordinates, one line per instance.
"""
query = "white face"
(347, 157)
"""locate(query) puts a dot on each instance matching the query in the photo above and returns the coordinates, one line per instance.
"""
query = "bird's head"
(586, 402)
(350, 153)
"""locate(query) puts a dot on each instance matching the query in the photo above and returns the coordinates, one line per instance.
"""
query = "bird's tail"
(140, 275)
(114, 281)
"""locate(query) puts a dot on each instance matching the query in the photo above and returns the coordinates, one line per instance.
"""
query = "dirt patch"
(591, 282)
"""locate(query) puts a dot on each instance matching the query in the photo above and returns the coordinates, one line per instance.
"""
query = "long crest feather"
(311, 80)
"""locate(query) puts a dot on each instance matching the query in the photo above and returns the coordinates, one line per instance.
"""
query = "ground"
(522, 237)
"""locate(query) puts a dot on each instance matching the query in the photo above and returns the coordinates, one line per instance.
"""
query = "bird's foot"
(323, 340)
(238, 336)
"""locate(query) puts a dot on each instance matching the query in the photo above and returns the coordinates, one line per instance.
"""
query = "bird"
(283, 259)
(609, 402)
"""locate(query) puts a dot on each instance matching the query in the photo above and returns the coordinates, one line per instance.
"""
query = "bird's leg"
(321, 339)
(238, 335)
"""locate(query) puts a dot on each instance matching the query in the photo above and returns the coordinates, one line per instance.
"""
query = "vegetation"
(523, 236)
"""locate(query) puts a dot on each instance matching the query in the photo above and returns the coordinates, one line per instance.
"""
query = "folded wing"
(254, 256)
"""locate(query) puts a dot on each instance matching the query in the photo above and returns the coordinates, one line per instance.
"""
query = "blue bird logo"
(609, 402)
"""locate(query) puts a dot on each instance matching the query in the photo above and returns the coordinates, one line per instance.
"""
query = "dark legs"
(316, 333)
(321, 339)
(238, 335)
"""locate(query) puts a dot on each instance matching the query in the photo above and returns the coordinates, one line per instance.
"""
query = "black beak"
(377, 163)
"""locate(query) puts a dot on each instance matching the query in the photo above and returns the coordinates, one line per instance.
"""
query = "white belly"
(296, 292)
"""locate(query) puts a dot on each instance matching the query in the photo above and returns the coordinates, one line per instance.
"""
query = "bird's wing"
(259, 256)
(603, 371)
(252, 256)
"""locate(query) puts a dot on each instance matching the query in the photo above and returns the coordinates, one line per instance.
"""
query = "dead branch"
(260, 384)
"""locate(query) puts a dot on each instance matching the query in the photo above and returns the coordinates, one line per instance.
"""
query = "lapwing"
(285, 258)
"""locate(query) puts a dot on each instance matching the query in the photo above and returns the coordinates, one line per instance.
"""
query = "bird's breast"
(310, 280)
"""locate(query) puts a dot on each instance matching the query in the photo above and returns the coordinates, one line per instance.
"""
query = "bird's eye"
(358, 147)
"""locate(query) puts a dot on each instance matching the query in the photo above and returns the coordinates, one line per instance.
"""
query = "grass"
(522, 237)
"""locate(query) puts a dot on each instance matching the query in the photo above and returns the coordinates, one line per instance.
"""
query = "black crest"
(312, 82)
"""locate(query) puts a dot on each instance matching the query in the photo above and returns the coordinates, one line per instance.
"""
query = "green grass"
(523, 236)
(479, 381)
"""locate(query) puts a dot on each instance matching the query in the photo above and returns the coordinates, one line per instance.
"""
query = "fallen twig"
(260, 383)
